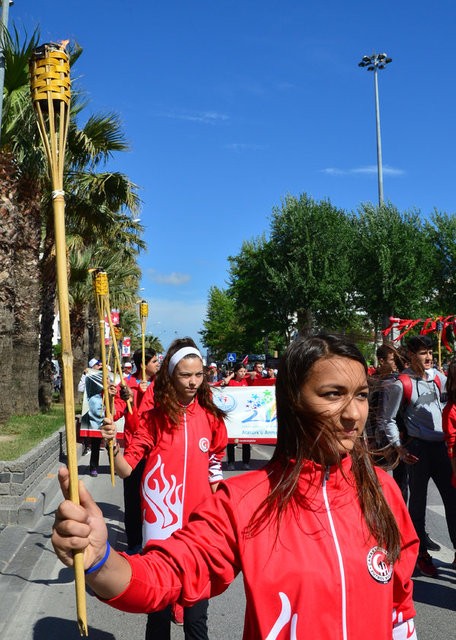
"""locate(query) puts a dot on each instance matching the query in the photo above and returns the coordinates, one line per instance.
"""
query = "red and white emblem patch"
(378, 564)
(204, 445)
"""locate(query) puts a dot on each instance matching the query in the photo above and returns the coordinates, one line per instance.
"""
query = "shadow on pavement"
(434, 593)
(57, 628)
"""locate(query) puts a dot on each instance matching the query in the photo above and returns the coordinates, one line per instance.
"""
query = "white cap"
(127, 365)
(93, 362)
(212, 365)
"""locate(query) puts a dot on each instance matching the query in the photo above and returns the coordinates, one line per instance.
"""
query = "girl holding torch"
(141, 395)
(323, 538)
(183, 442)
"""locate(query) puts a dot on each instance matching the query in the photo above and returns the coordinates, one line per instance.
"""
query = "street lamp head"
(375, 61)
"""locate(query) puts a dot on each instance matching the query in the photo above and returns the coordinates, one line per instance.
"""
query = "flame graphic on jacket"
(162, 503)
(285, 617)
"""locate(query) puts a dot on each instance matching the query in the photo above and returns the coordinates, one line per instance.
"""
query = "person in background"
(183, 440)
(237, 378)
(449, 420)
(212, 374)
(324, 539)
(424, 449)
(127, 369)
(270, 372)
(390, 364)
(256, 375)
(96, 413)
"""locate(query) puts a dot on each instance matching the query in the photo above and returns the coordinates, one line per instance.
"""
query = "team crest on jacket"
(379, 566)
(204, 445)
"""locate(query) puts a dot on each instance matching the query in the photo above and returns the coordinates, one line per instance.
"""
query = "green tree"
(392, 259)
(222, 331)
(99, 205)
(262, 316)
(123, 276)
(311, 266)
(300, 278)
(441, 229)
(20, 241)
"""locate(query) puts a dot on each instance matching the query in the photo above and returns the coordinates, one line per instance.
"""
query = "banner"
(92, 412)
(115, 316)
(251, 413)
(126, 347)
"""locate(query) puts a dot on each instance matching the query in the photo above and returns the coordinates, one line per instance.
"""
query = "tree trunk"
(305, 322)
(27, 297)
(8, 234)
(48, 280)
(79, 340)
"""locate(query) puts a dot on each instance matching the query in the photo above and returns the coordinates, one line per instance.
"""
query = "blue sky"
(231, 105)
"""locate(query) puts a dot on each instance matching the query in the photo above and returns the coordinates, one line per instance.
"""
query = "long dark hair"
(302, 437)
(165, 393)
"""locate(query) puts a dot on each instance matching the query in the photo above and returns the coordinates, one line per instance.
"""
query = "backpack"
(407, 387)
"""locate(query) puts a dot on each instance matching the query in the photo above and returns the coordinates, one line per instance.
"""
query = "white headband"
(181, 353)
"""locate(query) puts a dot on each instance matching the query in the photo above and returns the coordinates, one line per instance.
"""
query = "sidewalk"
(37, 594)
(23, 549)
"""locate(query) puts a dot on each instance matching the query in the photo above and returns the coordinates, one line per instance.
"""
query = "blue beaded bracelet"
(102, 561)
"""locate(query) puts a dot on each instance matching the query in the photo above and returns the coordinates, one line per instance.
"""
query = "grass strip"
(21, 433)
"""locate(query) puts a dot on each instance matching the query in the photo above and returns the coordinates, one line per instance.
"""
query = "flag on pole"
(246, 360)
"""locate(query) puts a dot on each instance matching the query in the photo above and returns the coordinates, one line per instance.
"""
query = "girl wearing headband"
(183, 440)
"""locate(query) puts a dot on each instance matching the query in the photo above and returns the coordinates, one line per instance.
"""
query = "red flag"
(246, 360)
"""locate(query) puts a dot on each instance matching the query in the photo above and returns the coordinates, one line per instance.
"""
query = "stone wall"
(24, 482)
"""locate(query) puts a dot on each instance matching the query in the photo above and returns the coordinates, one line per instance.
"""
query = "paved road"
(37, 592)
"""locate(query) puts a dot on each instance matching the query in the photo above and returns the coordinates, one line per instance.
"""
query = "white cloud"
(333, 171)
(174, 279)
(205, 117)
(367, 170)
(244, 146)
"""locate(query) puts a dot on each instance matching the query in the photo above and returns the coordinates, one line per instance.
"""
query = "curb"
(26, 483)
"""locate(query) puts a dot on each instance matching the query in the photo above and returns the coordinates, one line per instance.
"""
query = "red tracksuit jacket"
(182, 462)
(323, 577)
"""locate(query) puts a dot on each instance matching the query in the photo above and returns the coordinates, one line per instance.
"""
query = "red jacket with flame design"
(323, 576)
(182, 462)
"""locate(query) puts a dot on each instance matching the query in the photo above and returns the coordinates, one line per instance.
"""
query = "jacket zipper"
(184, 481)
(339, 556)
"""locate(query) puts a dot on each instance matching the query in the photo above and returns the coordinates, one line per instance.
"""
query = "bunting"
(439, 325)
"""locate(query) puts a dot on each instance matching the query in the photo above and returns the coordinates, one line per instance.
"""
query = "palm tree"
(97, 206)
(123, 275)
(20, 189)
(95, 202)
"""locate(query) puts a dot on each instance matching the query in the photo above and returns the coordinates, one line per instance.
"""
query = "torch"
(143, 313)
(112, 332)
(439, 327)
(100, 286)
(50, 87)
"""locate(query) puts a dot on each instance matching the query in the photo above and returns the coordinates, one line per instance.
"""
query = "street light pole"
(373, 63)
(3, 27)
